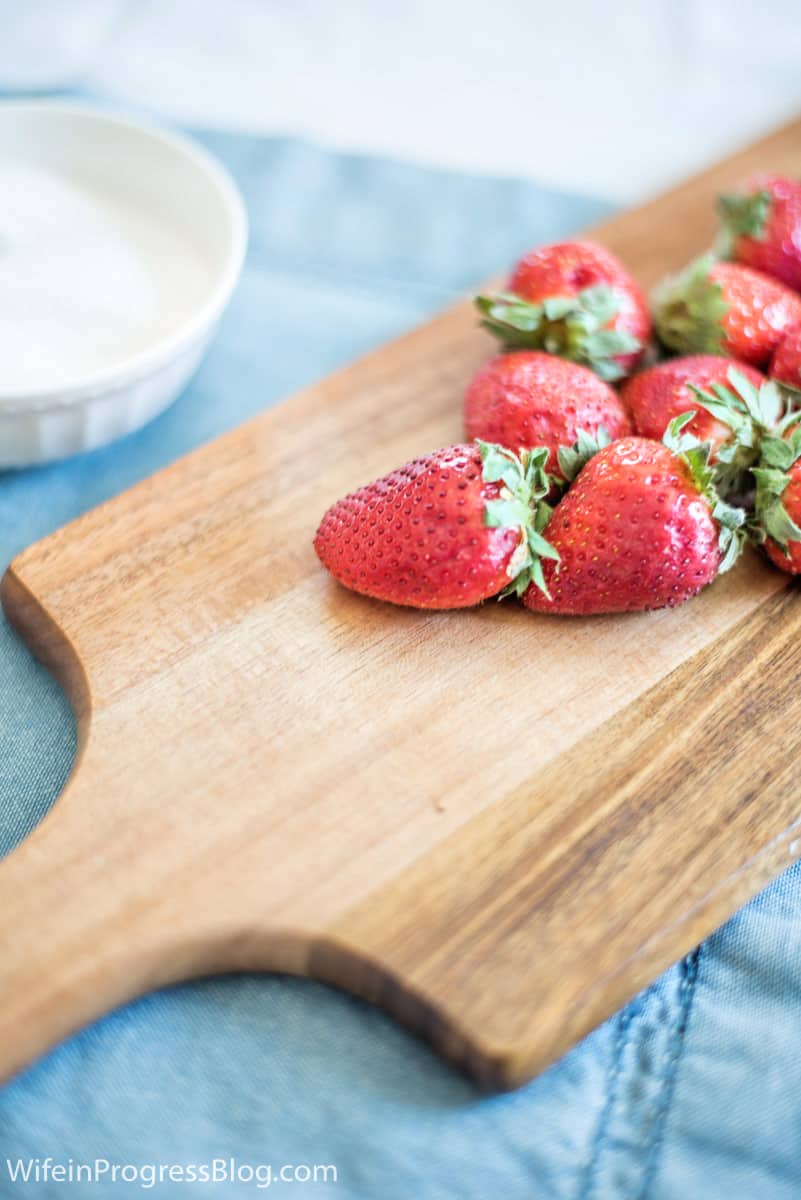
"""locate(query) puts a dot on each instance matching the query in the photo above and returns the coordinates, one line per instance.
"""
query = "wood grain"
(497, 825)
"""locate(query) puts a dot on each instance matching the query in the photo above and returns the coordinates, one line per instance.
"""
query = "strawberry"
(526, 399)
(445, 531)
(777, 503)
(785, 366)
(574, 300)
(657, 395)
(733, 407)
(642, 527)
(761, 227)
(724, 308)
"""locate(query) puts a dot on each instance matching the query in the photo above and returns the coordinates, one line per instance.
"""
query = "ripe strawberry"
(732, 407)
(527, 399)
(445, 531)
(642, 527)
(574, 300)
(777, 504)
(761, 227)
(785, 366)
(661, 393)
(725, 308)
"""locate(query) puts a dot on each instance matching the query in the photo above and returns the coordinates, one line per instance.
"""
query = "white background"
(618, 98)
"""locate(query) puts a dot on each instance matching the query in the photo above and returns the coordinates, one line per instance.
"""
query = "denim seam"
(690, 970)
(674, 1016)
(625, 1023)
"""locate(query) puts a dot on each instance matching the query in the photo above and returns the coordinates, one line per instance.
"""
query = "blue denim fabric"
(691, 1091)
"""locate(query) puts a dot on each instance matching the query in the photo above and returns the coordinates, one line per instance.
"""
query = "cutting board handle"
(92, 917)
(72, 946)
(97, 906)
(72, 943)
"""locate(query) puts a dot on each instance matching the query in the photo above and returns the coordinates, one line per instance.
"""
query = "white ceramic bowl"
(188, 242)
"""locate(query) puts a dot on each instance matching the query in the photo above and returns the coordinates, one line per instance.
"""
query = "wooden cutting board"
(498, 826)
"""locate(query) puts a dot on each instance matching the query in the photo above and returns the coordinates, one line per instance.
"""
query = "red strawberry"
(734, 407)
(761, 226)
(527, 399)
(785, 366)
(657, 395)
(575, 300)
(777, 521)
(642, 527)
(445, 531)
(724, 308)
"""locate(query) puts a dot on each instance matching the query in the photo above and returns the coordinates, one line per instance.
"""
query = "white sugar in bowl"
(120, 246)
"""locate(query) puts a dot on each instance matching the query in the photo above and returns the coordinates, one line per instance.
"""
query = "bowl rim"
(164, 349)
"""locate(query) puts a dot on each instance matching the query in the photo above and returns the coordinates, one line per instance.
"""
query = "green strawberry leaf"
(535, 476)
(765, 405)
(539, 547)
(742, 216)
(573, 458)
(776, 453)
(542, 516)
(502, 514)
(498, 464)
(675, 438)
(720, 405)
(522, 505)
(572, 327)
(780, 526)
(730, 546)
(778, 456)
(782, 452)
(771, 481)
(772, 519)
(601, 303)
(556, 308)
(689, 310)
(538, 578)
(751, 414)
(608, 342)
(731, 519)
